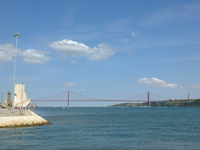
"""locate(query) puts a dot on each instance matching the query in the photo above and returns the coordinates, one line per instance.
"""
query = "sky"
(103, 49)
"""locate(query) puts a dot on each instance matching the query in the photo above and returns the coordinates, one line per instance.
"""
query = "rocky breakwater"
(13, 118)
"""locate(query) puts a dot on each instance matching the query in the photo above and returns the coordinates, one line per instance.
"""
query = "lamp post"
(15, 35)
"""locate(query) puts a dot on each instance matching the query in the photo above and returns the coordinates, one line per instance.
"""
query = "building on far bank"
(20, 98)
(189, 96)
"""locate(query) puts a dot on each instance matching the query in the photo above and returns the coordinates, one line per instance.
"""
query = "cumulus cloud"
(34, 56)
(5, 57)
(73, 48)
(162, 84)
(7, 51)
(156, 82)
(71, 84)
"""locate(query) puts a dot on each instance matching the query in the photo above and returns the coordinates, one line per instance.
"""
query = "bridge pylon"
(68, 99)
(148, 99)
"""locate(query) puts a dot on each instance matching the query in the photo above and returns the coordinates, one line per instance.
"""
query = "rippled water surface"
(108, 128)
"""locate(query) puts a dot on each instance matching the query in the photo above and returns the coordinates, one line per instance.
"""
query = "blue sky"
(106, 49)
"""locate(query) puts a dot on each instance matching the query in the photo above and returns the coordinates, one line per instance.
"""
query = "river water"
(106, 128)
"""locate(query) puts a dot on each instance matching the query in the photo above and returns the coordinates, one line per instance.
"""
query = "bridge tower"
(148, 99)
(68, 99)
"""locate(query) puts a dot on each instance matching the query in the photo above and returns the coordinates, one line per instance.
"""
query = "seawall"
(11, 118)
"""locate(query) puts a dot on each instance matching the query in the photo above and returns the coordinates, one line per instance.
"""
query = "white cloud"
(134, 34)
(34, 56)
(100, 53)
(7, 51)
(71, 84)
(73, 48)
(5, 57)
(194, 86)
(156, 82)
(160, 83)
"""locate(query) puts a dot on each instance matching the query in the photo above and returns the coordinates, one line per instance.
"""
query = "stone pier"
(13, 118)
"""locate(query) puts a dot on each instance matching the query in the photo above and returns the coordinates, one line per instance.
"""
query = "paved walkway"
(12, 118)
(13, 112)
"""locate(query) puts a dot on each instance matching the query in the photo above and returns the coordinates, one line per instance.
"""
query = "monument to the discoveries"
(20, 98)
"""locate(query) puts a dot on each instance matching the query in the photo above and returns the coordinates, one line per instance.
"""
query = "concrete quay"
(12, 118)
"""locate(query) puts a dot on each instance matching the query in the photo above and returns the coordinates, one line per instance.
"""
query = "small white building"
(20, 98)
(189, 96)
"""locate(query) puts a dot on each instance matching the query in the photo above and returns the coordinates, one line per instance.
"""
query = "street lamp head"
(17, 34)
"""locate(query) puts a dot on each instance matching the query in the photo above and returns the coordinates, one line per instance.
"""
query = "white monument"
(20, 99)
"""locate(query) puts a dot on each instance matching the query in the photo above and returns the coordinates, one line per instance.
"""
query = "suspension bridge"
(68, 100)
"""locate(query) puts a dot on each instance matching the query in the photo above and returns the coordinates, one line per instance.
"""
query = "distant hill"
(168, 103)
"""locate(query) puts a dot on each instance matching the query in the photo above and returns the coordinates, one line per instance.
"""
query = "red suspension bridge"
(68, 100)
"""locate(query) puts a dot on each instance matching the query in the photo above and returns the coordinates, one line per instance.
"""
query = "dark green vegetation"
(169, 103)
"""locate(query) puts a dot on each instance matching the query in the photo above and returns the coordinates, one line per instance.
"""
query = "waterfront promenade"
(13, 118)
(13, 112)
